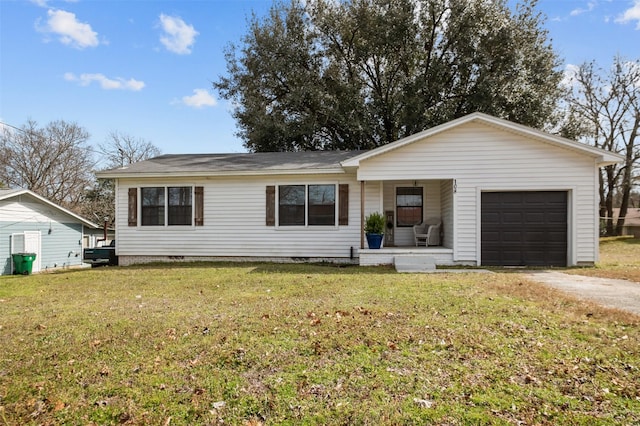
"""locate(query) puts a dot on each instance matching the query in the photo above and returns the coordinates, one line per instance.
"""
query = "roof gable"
(6, 194)
(603, 157)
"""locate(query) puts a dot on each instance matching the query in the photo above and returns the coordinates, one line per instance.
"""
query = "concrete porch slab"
(414, 263)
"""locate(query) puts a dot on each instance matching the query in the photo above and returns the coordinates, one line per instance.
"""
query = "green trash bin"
(23, 263)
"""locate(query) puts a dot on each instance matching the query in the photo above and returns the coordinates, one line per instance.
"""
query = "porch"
(405, 203)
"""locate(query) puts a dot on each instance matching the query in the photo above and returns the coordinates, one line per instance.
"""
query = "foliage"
(53, 161)
(119, 150)
(98, 203)
(303, 344)
(603, 109)
(358, 74)
(374, 223)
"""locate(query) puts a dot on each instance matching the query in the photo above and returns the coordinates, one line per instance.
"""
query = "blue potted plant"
(374, 230)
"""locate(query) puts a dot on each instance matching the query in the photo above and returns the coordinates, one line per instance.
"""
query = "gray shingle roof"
(258, 163)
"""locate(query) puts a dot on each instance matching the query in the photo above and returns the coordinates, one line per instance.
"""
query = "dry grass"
(619, 258)
(302, 344)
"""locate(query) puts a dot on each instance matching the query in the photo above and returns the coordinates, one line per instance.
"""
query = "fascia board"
(338, 170)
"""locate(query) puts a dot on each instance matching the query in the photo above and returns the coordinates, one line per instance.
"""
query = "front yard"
(619, 258)
(302, 344)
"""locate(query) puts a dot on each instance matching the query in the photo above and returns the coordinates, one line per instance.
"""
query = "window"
(175, 201)
(291, 205)
(322, 204)
(408, 206)
(312, 205)
(152, 206)
(160, 206)
(180, 205)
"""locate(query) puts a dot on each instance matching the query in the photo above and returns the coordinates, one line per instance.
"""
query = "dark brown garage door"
(524, 228)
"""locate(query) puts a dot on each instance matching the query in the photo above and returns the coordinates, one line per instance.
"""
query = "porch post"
(362, 214)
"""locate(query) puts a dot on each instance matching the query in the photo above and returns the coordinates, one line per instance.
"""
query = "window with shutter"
(166, 206)
(308, 205)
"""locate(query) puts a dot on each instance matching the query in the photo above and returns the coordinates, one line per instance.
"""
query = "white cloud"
(201, 98)
(69, 30)
(579, 11)
(569, 75)
(631, 14)
(105, 82)
(178, 36)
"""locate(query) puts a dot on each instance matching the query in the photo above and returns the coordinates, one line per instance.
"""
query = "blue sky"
(145, 67)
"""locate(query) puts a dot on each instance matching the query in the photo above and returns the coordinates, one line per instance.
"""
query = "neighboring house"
(96, 237)
(33, 224)
(631, 221)
(505, 194)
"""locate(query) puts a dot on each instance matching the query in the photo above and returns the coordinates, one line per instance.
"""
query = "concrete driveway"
(618, 294)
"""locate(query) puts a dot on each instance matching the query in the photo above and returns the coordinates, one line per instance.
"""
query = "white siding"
(446, 193)
(482, 158)
(234, 222)
(372, 198)
(26, 209)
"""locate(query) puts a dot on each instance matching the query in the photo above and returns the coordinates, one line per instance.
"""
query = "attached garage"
(526, 228)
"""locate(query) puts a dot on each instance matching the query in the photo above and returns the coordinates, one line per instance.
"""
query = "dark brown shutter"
(271, 206)
(199, 192)
(343, 204)
(133, 206)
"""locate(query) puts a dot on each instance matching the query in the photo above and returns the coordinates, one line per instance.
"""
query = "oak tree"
(321, 74)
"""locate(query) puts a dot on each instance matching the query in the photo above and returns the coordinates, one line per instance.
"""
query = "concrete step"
(414, 263)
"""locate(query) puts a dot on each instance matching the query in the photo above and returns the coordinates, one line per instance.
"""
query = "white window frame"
(395, 202)
(306, 206)
(166, 206)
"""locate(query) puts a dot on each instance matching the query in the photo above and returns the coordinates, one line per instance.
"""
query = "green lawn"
(619, 258)
(302, 344)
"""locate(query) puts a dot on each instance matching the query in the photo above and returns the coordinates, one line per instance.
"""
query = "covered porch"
(405, 203)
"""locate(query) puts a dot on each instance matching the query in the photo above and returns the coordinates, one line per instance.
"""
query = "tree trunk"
(608, 200)
(627, 177)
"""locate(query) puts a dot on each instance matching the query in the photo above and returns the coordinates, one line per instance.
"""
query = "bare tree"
(119, 150)
(606, 104)
(52, 161)
(122, 149)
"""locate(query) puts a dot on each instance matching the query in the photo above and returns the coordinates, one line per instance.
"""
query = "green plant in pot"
(374, 229)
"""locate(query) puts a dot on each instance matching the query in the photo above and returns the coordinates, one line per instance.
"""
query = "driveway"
(618, 294)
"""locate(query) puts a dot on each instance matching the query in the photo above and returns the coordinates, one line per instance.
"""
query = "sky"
(145, 68)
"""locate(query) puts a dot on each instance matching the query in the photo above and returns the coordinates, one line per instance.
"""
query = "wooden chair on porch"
(426, 234)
